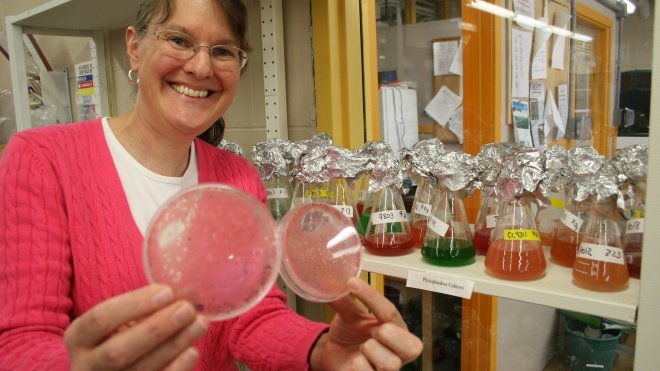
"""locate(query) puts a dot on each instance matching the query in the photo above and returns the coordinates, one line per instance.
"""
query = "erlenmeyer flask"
(278, 196)
(515, 251)
(340, 196)
(421, 210)
(486, 221)
(547, 218)
(634, 235)
(448, 241)
(388, 229)
(569, 232)
(361, 191)
(335, 192)
(310, 192)
(600, 264)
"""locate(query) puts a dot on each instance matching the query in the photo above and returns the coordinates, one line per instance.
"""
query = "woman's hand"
(143, 329)
(359, 340)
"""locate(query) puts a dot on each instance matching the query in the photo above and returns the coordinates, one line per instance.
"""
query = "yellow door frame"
(604, 134)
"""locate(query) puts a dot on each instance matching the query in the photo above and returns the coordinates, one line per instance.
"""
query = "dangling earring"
(130, 77)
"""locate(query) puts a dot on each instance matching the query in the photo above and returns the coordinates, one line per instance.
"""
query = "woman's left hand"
(373, 339)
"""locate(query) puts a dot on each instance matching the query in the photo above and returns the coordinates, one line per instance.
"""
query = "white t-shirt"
(145, 190)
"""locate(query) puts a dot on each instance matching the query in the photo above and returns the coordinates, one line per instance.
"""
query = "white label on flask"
(362, 196)
(609, 254)
(505, 221)
(635, 226)
(491, 220)
(571, 220)
(437, 226)
(422, 209)
(276, 193)
(345, 209)
(441, 283)
(391, 216)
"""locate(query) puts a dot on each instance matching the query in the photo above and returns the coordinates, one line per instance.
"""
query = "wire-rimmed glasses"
(183, 46)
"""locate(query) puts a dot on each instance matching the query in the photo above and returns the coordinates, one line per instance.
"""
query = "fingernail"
(354, 284)
(199, 327)
(190, 356)
(163, 296)
(183, 315)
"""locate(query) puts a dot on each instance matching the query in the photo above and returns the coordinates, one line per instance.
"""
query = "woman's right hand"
(143, 329)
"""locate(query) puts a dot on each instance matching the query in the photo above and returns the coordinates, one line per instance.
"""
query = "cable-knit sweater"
(68, 242)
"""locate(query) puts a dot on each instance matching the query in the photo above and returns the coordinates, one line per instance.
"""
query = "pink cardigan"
(68, 241)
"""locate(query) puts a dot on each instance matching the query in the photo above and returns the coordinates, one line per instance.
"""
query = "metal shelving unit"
(78, 18)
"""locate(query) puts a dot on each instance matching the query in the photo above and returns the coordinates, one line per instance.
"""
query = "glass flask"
(421, 210)
(569, 233)
(600, 263)
(388, 227)
(335, 192)
(278, 195)
(486, 221)
(448, 241)
(361, 193)
(515, 251)
(634, 234)
(547, 218)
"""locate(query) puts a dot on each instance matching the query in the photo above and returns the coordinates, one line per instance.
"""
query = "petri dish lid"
(321, 251)
(216, 247)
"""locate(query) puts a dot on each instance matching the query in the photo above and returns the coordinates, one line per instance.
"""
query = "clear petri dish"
(215, 246)
(321, 251)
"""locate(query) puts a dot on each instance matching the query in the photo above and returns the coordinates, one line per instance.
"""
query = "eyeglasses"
(184, 46)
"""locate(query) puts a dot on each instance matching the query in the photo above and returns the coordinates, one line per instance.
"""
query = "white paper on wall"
(562, 101)
(443, 55)
(524, 8)
(443, 105)
(558, 46)
(521, 49)
(539, 52)
(456, 66)
(553, 117)
(456, 124)
(536, 113)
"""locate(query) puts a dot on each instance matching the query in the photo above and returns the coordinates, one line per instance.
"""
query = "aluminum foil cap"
(386, 169)
(231, 147)
(457, 172)
(323, 162)
(632, 162)
(522, 171)
(602, 184)
(583, 163)
(419, 160)
(489, 164)
(272, 158)
(556, 174)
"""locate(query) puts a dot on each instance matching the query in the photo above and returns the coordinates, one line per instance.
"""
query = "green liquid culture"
(451, 252)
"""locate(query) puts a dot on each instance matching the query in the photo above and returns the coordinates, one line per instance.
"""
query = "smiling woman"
(78, 199)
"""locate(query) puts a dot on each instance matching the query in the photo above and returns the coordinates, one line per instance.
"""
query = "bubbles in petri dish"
(215, 246)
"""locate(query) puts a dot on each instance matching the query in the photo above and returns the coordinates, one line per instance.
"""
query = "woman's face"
(183, 97)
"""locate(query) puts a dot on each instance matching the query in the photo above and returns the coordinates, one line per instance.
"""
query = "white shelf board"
(555, 289)
(80, 14)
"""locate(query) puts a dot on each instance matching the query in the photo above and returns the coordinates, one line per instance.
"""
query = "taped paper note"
(443, 105)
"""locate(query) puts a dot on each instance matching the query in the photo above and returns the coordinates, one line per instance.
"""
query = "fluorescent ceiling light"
(528, 21)
(630, 7)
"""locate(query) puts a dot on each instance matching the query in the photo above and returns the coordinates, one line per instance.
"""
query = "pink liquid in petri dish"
(321, 251)
(216, 247)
